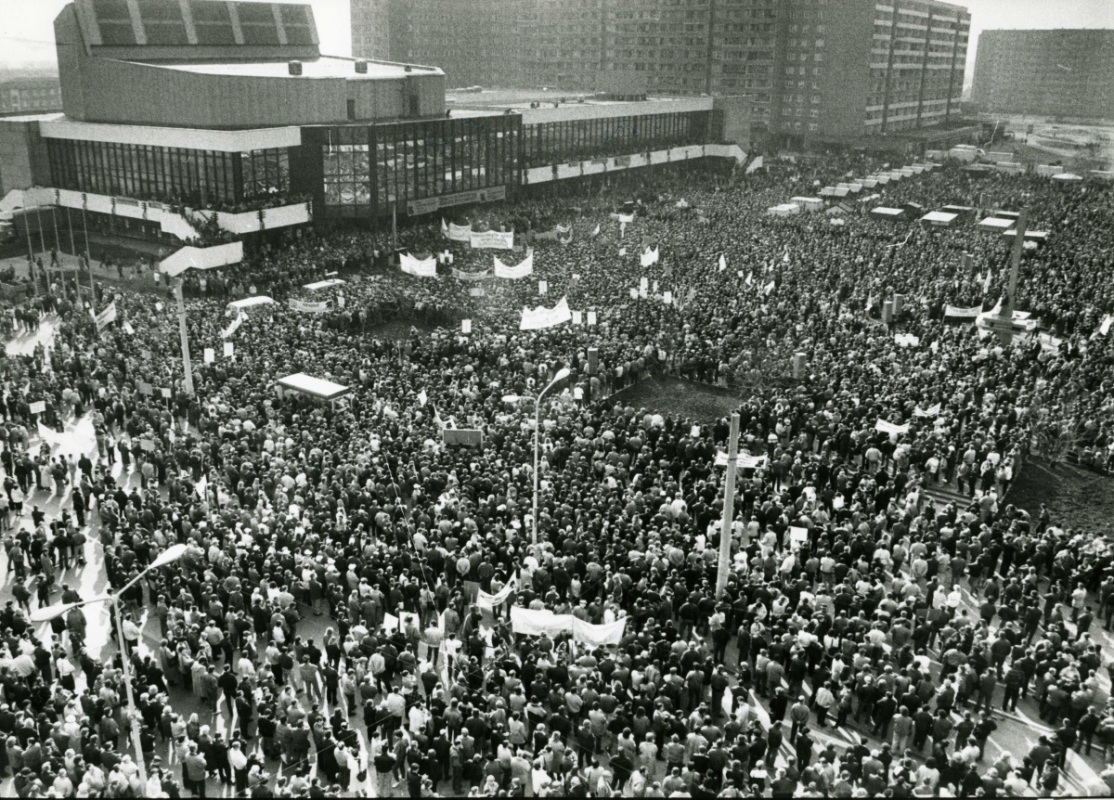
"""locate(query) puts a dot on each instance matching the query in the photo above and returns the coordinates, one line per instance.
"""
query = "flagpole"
(728, 508)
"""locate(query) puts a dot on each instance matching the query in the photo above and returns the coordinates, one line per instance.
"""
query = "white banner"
(426, 268)
(514, 273)
(485, 600)
(456, 233)
(624, 219)
(307, 308)
(460, 275)
(756, 164)
(492, 240)
(535, 623)
(931, 411)
(107, 316)
(906, 340)
(890, 428)
(742, 460)
(231, 329)
(650, 257)
(598, 635)
(955, 312)
(541, 317)
(722, 263)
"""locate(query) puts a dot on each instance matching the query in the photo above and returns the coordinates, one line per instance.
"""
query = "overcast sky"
(27, 35)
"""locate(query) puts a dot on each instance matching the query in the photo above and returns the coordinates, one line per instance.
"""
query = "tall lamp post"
(48, 613)
(560, 376)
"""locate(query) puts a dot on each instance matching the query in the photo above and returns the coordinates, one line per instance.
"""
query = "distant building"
(29, 95)
(811, 69)
(1055, 73)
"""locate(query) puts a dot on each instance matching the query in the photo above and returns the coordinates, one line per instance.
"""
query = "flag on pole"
(722, 262)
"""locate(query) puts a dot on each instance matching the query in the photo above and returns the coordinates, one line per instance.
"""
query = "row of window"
(196, 177)
(375, 166)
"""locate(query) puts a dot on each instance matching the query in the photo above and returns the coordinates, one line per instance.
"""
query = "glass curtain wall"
(168, 174)
(373, 167)
(576, 140)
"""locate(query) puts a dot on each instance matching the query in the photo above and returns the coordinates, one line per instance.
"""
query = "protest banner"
(456, 233)
(38, 407)
(461, 275)
(591, 318)
(514, 273)
(543, 287)
(106, 317)
(419, 268)
(229, 350)
(956, 312)
(890, 428)
(302, 306)
(210, 355)
(492, 240)
(466, 326)
(540, 317)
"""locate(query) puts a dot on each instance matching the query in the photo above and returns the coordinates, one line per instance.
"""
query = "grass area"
(674, 396)
(1077, 498)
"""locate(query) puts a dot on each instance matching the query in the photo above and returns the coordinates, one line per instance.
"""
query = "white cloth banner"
(305, 307)
(742, 460)
(756, 164)
(650, 257)
(931, 411)
(485, 600)
(541, 317)
(955, 312)
(231, 329)
(906, 340)
(514, 273)
(535, 623)
(890, 428)
(457, 233)
(106, 316)
(492, 240)
(425, 268)
(460, 275)
(624, 219)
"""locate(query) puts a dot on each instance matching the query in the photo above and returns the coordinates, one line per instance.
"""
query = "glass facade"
(366, 168)
(575, 140)
(168, 174)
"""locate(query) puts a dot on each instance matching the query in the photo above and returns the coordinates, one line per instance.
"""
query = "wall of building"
(23, 155)
(1058, 73)
(30, 95)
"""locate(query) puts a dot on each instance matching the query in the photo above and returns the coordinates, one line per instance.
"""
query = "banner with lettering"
(461, 275)
(421, 268)
(536, 622)
(106, 317)
(486, 600)
(541, 317)
(305, 307)
(742, 460)
(514, 273)
(955, 312)
(492, 240)
(890, 428)
(456, 233)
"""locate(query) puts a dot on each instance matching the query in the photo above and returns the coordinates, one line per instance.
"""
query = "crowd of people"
(321, 635)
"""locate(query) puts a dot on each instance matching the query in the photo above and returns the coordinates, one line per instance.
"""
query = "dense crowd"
(848, 579)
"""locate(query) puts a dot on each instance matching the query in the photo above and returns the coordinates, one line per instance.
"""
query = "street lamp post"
(560, 376)
(168, 556)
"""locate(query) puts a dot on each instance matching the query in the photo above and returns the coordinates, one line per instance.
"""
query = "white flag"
(770, 287)
(423, 398)
(722, 263)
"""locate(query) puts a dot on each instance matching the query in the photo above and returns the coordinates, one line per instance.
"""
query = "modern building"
(1054, 73)
(177, 113)
(819, 69)
(29, 95)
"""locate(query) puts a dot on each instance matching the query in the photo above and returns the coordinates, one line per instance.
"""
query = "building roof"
(323, 67)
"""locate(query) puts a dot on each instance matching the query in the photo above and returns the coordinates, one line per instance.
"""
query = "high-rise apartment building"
(371, 29)
(808, 68)
(1057, 73)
